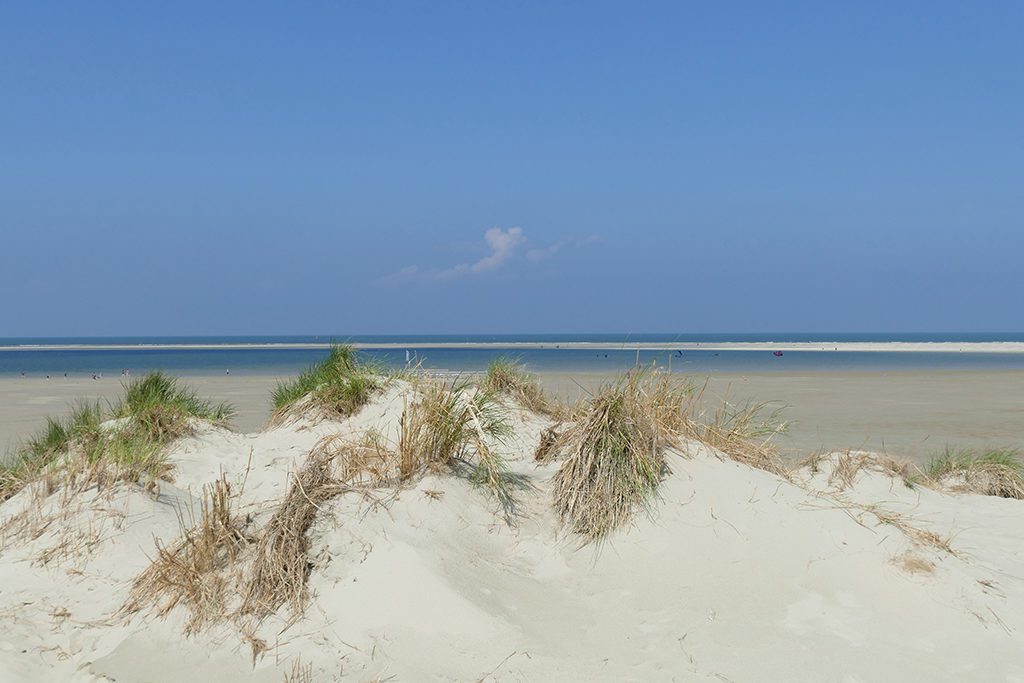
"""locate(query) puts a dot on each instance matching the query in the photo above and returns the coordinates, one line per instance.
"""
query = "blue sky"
(433, 167)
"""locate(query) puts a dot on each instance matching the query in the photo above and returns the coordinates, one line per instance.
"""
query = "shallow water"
(85, 362)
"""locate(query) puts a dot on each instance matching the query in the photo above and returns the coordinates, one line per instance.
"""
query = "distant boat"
(776, 353)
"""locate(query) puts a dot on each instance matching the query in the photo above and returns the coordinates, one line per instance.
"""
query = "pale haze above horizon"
(259, 168)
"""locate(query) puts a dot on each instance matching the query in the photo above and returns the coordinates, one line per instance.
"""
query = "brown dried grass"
(509, 377)
(615, 460)
(848, 465)
(196, 571)
(281, 564)
(743, 432)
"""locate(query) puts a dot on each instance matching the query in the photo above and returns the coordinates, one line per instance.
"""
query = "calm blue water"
(413, 339)
(81, 362)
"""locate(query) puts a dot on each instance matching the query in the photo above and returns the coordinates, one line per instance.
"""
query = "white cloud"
(545, 253)
(502, 244)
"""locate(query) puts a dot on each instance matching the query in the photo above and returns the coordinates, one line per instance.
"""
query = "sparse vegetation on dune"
(615, 456)
(453, 425)
(997, 472)
(507, 376)
(744, 432)
(280, 566)
(615, 446)
(53, 442)
(161, 407)
(84, 450)
(448, 426)
(337, 386)
(845, 466)
(195, 570)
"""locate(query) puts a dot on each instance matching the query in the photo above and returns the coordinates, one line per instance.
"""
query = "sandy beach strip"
(825, 346)
(914, 414)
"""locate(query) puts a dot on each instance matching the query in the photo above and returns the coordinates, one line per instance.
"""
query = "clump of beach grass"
(507, 376)
(160, 407)
(52, 443)
(337, 386)
(196, 570)
(615, 456)
(85, 449)
(455, 425)
(281, 565)
(744, 432)
(997, 472)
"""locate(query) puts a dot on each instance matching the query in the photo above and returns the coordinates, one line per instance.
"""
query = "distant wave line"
(821, 346)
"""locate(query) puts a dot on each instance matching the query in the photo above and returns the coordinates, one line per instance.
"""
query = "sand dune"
(736, 574)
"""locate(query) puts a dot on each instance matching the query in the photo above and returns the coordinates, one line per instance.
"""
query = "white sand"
(737, 575)
(917, 347)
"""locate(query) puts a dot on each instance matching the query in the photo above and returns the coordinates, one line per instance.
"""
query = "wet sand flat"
(912, 414)
(909, 414)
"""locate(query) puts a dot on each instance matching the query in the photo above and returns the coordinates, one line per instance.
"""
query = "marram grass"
(160, 406)
(339, 385)
(996, 472)
(615, 456)
(507, 376)
(155, 409)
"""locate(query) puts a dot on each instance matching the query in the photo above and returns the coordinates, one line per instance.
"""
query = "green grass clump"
(82, 423)
(131, 456)
(339, 385)
(508, 376)
(154, 410)
(996, 472)
(53, 441)
(159, 406)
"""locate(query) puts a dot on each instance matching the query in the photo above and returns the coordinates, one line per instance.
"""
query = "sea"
(222, 356)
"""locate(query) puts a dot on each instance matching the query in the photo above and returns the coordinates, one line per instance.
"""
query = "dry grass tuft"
(299, 673)
(509, 377)
(281, 565)
(846, 466)
(454, 425)
(997, 472)
(547, 447)
(916, 534)
(195, 572)
(615, 460)
(744, 432)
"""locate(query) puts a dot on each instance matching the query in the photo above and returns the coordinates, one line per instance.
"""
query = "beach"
(908, 414)
(429, 526)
